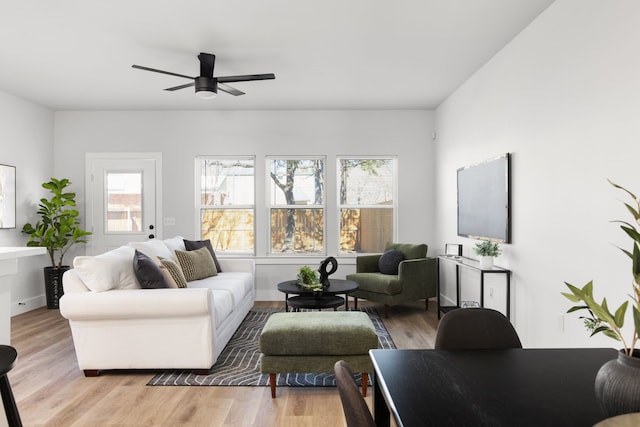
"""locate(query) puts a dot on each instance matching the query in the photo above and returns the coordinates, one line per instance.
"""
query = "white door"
(123, 203)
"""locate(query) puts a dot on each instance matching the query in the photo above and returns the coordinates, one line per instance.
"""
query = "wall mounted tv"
(483, 200)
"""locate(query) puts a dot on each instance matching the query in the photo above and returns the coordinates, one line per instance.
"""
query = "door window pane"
(124, 202)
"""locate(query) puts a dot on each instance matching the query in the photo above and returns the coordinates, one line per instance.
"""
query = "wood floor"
(50, 390)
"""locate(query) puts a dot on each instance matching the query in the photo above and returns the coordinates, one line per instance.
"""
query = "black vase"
(618, 385)
(53, 285)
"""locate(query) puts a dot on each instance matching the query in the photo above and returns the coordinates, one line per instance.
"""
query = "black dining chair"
(355, 408)
(8, 355)
(475, 329)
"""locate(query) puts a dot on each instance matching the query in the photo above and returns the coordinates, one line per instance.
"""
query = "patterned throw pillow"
(175, 271)
(191, 245)
(147, 272)
(197, 264)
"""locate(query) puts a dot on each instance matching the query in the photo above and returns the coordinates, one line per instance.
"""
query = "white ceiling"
(329, 54)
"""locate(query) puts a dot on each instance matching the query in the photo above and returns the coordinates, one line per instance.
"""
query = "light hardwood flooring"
(50, 390)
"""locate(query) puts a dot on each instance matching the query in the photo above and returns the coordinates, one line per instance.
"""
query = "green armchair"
(416, 279)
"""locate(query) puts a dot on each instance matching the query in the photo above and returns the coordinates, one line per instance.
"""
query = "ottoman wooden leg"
(272, 384)
(365, 382)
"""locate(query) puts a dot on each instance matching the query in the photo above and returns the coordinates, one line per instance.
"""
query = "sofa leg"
(272, 385)
(365, 382)
(91, 372)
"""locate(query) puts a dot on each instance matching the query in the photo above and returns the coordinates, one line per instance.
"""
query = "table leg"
(346, 302)
(286, 304)
(381, 413)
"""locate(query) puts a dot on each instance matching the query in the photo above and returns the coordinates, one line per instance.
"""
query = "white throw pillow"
(152, 248)
(110, 270)
(174, 244)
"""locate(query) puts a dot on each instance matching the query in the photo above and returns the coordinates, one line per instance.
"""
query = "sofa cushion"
(196, 264)
(410, 251)
(197, 244)
(175, 271)
(389, 261)
(110, 270)
(377, 283)
(152, 248)
(148, 272)
(234, 284)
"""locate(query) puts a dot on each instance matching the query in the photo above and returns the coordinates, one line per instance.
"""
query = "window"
(124, 202)
(367, 203)
(226, 203)
(296, 205)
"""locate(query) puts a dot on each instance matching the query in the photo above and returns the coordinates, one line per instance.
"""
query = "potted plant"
(618, 381)
(308, 279)
(487, 250)
(57, 231)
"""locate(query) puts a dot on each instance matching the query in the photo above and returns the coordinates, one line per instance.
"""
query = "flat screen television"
(483, 200)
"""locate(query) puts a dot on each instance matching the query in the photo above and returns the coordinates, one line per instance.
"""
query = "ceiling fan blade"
(207, 62)
(231, 90)
(140, 67)
(246, 78)
(171, 89)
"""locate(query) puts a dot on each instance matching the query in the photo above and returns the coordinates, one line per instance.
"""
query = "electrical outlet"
(491, 292)
(560, 322)
(169, 221)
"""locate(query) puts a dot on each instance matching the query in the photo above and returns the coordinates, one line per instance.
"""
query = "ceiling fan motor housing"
(206, 84)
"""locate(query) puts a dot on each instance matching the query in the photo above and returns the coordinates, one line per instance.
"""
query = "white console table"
(8, 268)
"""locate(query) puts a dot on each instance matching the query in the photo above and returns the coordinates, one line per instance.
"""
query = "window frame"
(270, 205)
(340, 206)
(199, 207)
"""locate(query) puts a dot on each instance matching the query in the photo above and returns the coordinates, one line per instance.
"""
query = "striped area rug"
(239, 363)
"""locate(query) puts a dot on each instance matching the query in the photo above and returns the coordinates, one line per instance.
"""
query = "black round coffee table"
(305, 301)
(336, 287)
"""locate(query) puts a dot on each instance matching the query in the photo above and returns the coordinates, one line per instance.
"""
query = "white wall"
(180, 136)
(26, 142)
(564, 98)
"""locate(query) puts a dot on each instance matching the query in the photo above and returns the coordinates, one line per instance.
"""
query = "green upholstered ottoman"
(315, 341)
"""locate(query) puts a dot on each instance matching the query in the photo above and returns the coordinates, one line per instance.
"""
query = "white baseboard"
(28, 305)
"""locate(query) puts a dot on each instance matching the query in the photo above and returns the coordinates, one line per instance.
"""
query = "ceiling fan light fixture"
(206, 87)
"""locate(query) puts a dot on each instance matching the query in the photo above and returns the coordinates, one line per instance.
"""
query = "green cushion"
(377, 282)
(318, 333)
(410, 251)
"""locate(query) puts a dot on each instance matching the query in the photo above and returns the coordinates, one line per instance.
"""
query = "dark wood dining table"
(514, 387)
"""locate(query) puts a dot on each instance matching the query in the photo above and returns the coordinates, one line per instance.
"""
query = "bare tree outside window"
(367, 203)
(297, 205)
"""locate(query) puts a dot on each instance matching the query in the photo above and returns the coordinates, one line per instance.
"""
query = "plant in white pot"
(618, 381)
(487, 250)
(57, 231)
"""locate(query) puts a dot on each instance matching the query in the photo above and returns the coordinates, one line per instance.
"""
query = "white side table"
(9, 268)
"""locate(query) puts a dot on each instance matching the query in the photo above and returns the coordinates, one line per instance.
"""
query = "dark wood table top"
(337, 286)
(515, 387)
(8, 355)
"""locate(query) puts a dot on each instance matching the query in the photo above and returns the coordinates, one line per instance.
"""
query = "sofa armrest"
(367, 263)
(137, 304)
(237, 265)
(420, 272)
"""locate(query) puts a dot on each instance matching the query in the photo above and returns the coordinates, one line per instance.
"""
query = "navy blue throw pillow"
(389, 261)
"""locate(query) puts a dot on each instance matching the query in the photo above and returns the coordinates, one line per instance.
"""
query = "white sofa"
(118, 325)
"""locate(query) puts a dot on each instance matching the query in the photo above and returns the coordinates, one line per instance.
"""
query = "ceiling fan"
(206, 85)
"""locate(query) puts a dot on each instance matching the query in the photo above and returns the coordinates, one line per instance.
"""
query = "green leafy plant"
(600, 318)
(57, 230)
(487, 248)
(308, 278)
